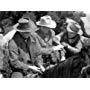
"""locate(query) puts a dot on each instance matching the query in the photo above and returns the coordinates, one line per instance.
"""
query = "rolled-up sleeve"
(77, 48)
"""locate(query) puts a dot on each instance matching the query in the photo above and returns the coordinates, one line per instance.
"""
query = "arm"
(45, 50)
(77, 48)
(58, 37)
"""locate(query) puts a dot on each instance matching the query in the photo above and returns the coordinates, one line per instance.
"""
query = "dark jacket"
(31, 49)
(18, 50)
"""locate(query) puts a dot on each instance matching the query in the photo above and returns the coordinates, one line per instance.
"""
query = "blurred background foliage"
(8, 18)
(34, 15)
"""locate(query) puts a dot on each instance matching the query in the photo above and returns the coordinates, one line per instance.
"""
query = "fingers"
(39, 70)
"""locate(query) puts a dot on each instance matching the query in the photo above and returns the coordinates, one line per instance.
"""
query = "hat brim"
(20, 30)
(52, 25)
(23, 30)
(30, 30)
(69, 30)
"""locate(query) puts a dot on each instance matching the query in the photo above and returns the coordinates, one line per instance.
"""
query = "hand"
(56, 39)
(58, 47)
(42, 68)
(86, 42)
(64, 44)
(35, 68)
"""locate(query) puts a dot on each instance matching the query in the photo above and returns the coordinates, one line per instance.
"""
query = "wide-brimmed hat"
(26, 25)
(47, 22)
(72, 26)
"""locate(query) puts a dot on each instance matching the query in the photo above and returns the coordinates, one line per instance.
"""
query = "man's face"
(25, 34)
(71, 34)
(45, 29)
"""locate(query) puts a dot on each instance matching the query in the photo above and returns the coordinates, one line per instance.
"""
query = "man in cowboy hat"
(73, 31)
(20, 47)
(46, 35)
(77, 16)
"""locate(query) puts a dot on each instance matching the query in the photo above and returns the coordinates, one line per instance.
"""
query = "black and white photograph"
(44, 44)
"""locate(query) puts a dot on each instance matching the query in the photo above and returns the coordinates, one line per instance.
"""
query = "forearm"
(75, 50)
(51, 49)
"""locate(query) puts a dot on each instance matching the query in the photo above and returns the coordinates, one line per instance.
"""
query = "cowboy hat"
(72, 26)
(47, 22)
(25, 25)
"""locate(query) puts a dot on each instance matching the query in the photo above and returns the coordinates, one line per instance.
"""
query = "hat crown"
(25, 24)
(46, 20)
(22, 20)
(73, 25)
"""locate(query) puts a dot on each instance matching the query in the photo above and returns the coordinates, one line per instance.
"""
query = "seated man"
(46, 35)
(19, 51)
